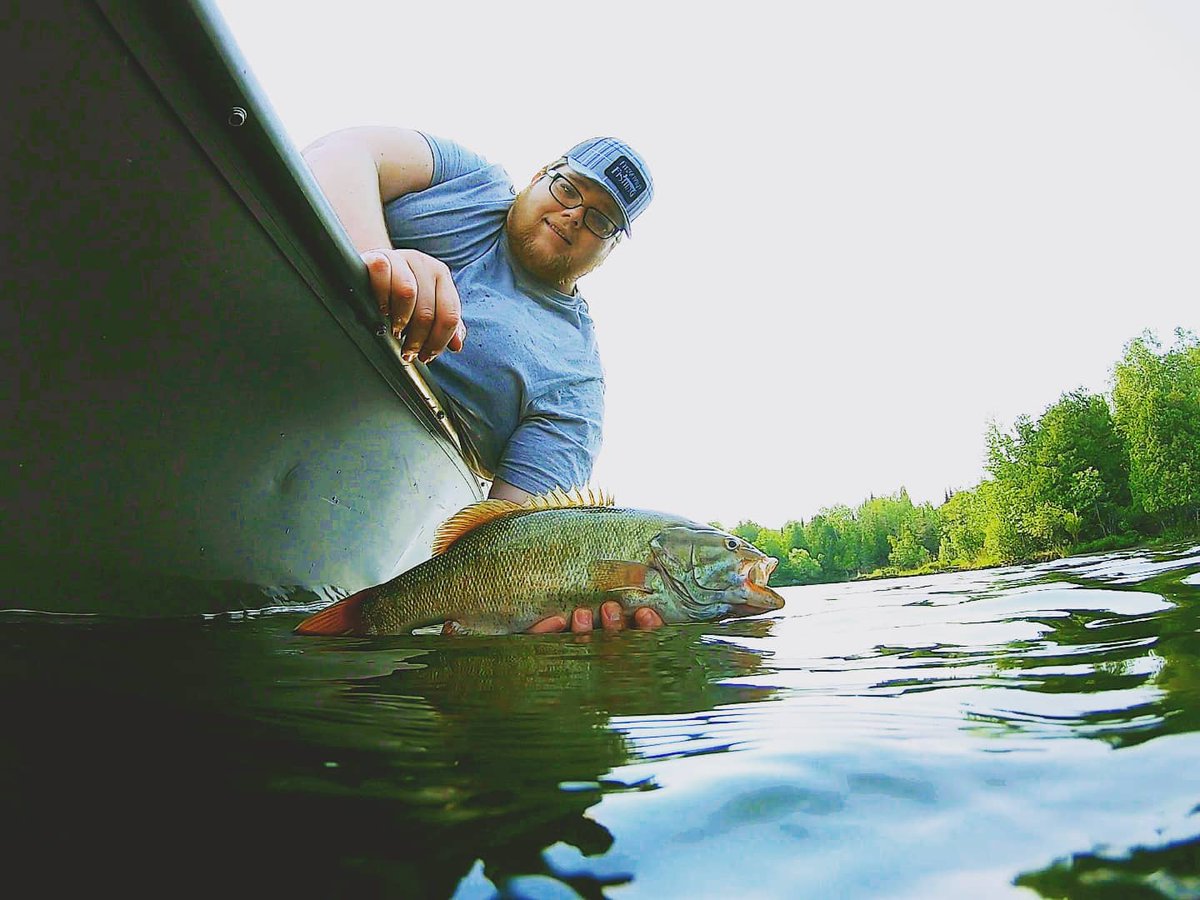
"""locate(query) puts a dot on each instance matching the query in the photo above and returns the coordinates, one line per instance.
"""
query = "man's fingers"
(447, 315)
(612, 618)
(404, 293)
(460, 337)
(581, 621)
(417, 300)
(379, 271)
(646, 618)
(424, 308)
(549, 625)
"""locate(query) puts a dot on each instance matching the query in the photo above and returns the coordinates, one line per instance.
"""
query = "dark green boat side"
(199, 412)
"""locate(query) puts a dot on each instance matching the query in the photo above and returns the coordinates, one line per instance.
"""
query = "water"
(1015, 732)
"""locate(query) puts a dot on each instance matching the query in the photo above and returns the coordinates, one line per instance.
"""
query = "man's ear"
(538, 175)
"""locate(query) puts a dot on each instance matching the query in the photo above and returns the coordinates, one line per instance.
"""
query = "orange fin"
(343, 617)
(468, 519)
(619, 575)
(477, 514)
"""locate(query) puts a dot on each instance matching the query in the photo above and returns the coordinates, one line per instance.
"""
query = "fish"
(499, 566)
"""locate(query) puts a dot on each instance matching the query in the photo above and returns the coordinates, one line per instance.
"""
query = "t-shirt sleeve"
(451, 160)
(557, 441)
(460, 215)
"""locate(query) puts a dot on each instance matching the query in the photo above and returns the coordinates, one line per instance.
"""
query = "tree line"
(1094, 472)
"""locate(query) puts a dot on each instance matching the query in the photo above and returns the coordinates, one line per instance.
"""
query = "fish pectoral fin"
(619, 575)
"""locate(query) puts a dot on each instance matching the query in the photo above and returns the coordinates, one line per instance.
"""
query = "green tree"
(969, 523)
(907, 550)
(926, 522)
(1156, 399)
(802, 568)
(1057, 481)
(747, 530)
(1080, 462)
(1085, 469)
(878, 517)
(793, 535)
(771, 542)
(833, 538)
(1029, 523)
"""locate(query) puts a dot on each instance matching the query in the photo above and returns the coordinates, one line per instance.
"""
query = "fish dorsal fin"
(575, 497)
(468, 519)
(471, 517)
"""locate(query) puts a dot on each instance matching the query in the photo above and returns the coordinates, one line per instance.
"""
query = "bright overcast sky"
(877, 226)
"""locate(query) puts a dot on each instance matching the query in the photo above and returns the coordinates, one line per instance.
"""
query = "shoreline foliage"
(1093, 473)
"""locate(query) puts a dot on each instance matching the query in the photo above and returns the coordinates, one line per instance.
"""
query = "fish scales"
(503, 568)
(518, 569)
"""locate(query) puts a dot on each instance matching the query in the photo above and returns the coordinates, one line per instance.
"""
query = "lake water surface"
(1025, 731)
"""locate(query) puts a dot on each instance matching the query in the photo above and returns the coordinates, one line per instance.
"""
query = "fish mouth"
(760, 597)
(759, 570)
(558, 231)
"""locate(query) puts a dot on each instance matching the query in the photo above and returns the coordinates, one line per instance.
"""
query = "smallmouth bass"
(498, 567)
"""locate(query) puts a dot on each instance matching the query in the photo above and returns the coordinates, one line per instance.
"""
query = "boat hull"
(199, 413)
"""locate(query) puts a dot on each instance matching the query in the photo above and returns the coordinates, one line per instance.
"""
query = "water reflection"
(1129, 659)
(933, 736)
(1097, 655)
(523, 726)
(1171, 871)
(348, 765)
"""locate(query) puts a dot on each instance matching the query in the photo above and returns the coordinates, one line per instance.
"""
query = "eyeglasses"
(568, 196)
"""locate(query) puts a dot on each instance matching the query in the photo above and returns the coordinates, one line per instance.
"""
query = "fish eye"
(731, 543)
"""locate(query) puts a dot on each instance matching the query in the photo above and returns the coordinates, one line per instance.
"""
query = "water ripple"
(958, 734)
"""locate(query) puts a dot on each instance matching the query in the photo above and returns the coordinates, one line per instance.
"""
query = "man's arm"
(502, 490)
(359, 170)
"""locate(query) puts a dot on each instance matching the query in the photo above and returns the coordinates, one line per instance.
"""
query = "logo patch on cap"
(624, 176)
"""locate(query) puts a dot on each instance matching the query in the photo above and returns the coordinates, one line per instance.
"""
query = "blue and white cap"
(617, 168)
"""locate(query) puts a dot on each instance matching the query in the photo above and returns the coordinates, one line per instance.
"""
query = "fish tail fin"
(342, 618)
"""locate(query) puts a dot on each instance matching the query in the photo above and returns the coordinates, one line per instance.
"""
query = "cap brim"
(599, 179)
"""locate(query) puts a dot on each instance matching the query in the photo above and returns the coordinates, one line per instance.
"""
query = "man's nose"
(574, 216)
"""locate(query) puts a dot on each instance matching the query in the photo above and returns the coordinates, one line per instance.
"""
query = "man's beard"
(552, 269)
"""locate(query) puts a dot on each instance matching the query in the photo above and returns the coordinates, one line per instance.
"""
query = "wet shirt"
(527, 390)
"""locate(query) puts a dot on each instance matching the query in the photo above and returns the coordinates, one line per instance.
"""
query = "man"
(450, 246)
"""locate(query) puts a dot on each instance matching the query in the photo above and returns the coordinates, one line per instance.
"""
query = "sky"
(877, 227)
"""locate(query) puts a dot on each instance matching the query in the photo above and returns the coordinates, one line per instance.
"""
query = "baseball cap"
(617, 168)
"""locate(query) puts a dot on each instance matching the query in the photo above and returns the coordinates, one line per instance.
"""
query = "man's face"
(552, 242)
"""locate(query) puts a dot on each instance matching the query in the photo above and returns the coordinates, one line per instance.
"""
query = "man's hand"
(611, 619)
(418, 301)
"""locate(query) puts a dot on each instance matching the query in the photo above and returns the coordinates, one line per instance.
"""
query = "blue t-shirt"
(528, 387)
